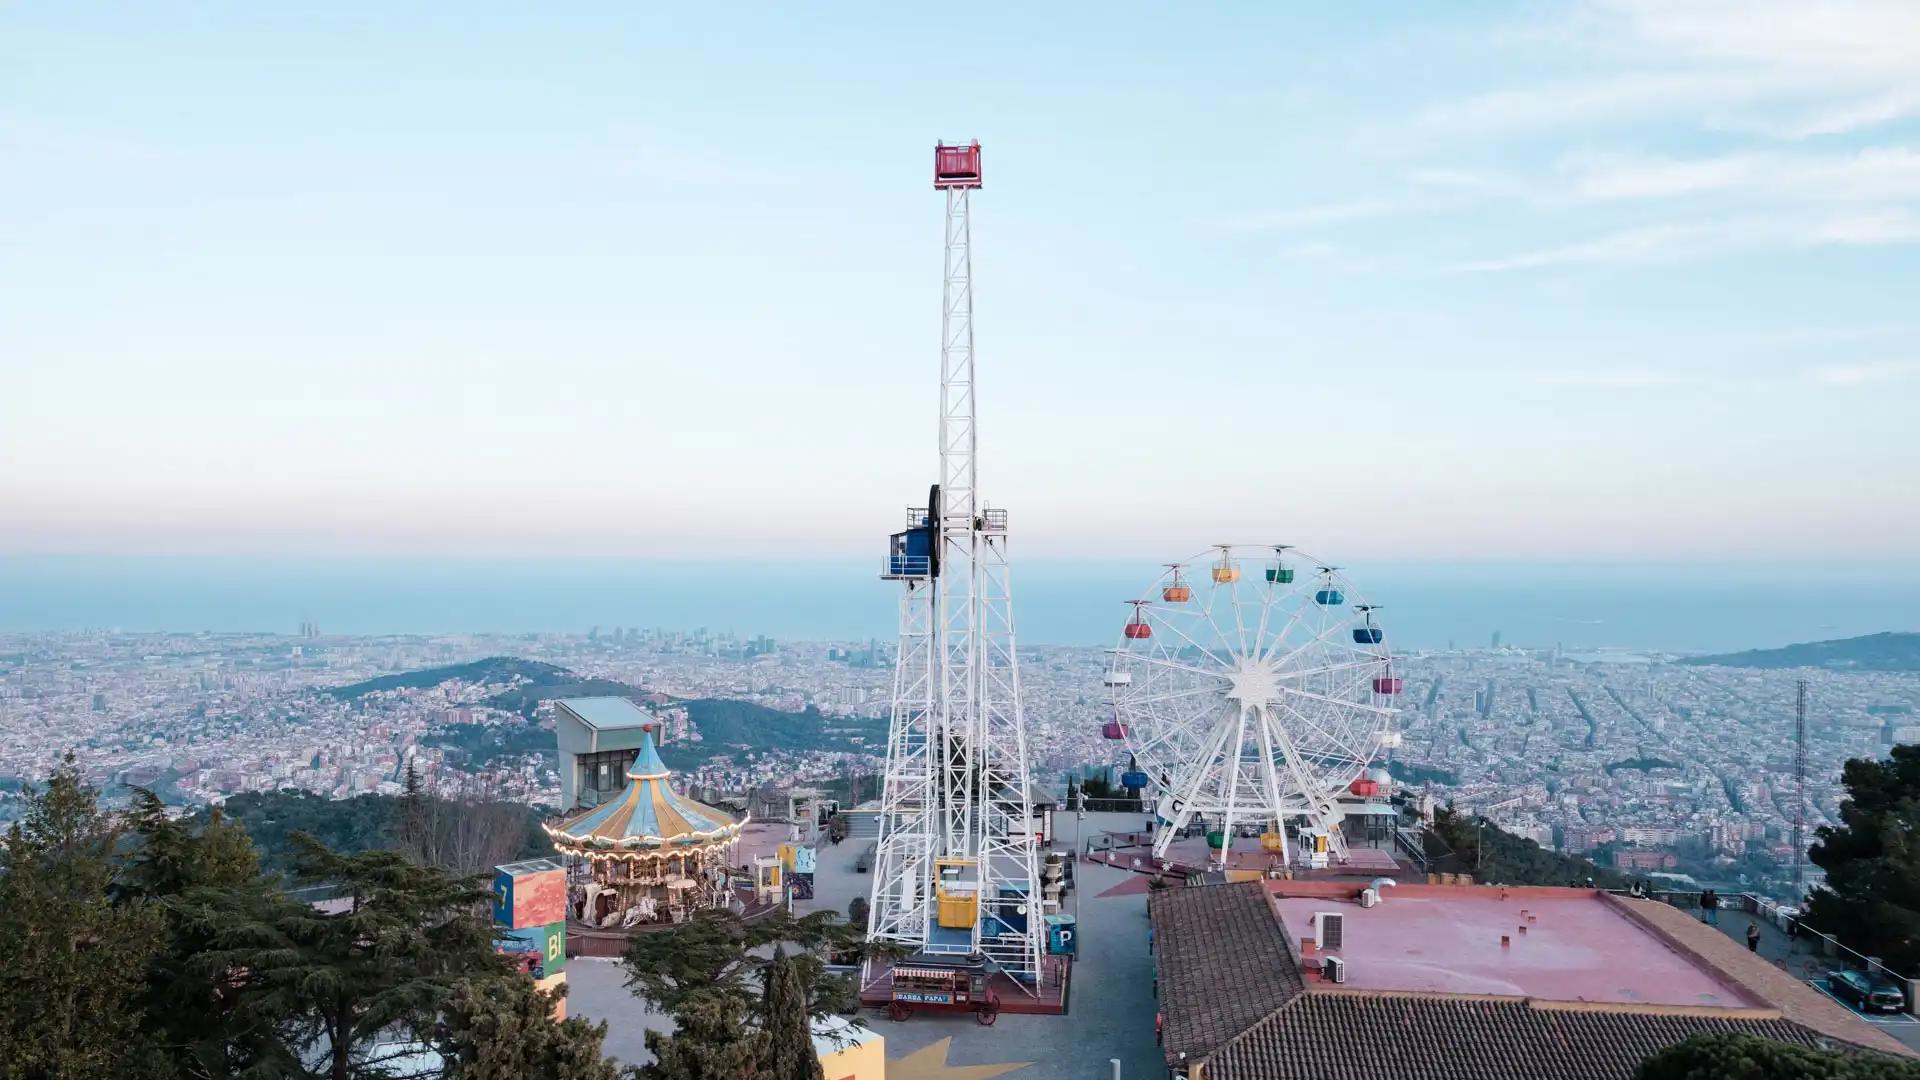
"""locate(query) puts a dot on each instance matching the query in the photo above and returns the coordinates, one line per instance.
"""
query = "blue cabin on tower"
(915, 553)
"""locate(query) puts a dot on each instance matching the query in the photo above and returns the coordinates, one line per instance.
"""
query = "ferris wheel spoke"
(1317, 639)
(1360, 679)
(1304, 781)
(1266, 610)
(1350, 754)
(1239, 624)
(1293, 620)
(1153, 616)
(1219, 635)
(1377, 710)
(1301, 673)
(1166, 738)
(1176, 695)
(1175, 665)
(1187, 788)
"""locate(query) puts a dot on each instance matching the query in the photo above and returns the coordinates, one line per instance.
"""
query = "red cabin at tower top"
(956, 166)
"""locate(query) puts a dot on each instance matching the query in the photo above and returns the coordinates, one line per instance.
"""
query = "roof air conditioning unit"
(1329, 930)
(1334, 969)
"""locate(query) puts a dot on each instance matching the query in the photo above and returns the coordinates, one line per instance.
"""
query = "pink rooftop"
(1578, 946)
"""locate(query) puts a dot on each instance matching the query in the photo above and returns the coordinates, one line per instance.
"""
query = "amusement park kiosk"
(597, 737)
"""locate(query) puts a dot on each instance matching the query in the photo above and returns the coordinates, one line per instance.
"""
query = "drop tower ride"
(955, 869)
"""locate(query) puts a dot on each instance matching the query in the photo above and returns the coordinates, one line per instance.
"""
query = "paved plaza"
(1110, 1014)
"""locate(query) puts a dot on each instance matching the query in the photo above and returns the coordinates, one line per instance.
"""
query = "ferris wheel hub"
(1253, 683)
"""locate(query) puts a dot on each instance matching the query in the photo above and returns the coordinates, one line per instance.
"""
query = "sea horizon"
(1668, 608)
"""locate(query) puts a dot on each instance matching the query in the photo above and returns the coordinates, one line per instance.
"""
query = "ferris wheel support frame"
(1321, 813)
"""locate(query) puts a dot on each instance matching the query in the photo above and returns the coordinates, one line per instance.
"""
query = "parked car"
(1868, 993)
(865, 862)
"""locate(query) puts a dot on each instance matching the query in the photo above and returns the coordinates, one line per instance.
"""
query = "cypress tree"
(786, 1031)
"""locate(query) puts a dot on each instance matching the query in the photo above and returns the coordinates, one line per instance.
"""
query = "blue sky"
(1612, 281)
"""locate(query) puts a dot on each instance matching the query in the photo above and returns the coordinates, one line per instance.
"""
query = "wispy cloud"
(1785, 68)
(1621, 379)
(1840, 117)
(1311, 216)
(1865, 373)
(1582, 103)
(1657, 243)
(1885, 173)
(1701, 240)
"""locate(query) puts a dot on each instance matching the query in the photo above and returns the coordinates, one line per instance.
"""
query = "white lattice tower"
(956, 787)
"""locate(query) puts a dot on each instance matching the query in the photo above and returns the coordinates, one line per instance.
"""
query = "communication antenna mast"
(955, 869)
(1800, 791)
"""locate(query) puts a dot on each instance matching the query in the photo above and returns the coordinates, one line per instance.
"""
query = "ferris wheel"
(1253, 685)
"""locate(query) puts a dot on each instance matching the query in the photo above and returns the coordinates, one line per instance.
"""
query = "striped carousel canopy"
(649, 814)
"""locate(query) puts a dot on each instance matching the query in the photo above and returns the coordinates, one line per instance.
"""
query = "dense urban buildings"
(1633, 759)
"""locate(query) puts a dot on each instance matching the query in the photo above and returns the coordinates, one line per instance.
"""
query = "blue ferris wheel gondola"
(1329, 598)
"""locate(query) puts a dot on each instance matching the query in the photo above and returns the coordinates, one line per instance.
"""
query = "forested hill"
(501, 832)
(724, 726)
(491, 669)
(746, 725)
(539, 682)
(1888, 651)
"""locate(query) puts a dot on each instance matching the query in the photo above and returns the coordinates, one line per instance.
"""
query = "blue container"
(1135, 780)
(1367, 635)
(910, 553)
(1061, 934)
(1329, 597)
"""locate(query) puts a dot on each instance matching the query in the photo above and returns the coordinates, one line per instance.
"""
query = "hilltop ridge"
(1886, 651)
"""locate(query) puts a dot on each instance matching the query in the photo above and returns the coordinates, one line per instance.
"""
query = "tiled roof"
(1232, 997)
(1366, 1035)
(1783, 991)
(1224, 964)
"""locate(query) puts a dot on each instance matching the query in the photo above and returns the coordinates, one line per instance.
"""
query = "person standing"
(1753, 937)
(1710, 907)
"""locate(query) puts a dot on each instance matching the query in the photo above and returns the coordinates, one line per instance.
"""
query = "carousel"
(650, 855)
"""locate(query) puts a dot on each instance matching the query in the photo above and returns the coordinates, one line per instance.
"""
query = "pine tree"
(1872, 893)
(329, 983)
(502, 1028)
(786, 1028)
(710, 1041)
(715, 954)
(74, 973)
(1747, 1057)
(182, 869)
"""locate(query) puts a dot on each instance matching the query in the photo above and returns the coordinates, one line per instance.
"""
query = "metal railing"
(1812, 954)
(907, 566)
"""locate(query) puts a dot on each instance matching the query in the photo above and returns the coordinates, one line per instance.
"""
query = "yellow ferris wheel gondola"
(1224, 572)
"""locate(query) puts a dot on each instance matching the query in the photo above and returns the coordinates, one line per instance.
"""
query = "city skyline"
(323, 281)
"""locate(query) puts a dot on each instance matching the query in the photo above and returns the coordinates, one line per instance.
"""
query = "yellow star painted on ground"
(930, 1063)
